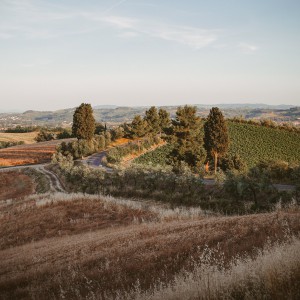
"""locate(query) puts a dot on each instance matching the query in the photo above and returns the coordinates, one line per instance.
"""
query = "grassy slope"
(88, 245)
(252, 143)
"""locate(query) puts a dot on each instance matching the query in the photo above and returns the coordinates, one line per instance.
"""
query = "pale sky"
(58, 54)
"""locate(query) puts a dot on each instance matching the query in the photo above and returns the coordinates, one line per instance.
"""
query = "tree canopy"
(164, 120)
(187, 137)
(83, 122)
(216, 140)
(152, 119)
(138, 126)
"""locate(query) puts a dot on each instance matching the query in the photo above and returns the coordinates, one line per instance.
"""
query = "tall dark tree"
(164, 120)
(138, 126)
(187, 138)
(216, 140)
(83, 122)
(152, 119)
(99, 127)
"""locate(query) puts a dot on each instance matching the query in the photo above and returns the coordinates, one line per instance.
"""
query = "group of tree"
(91, 136)
(192, 145)
(154, 122)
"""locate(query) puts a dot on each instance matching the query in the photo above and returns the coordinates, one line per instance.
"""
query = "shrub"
(10, 144)
(232, 162)
(254, 186)
(44, 136)
(65, 134)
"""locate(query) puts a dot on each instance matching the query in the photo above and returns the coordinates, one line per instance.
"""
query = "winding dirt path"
(55, 184)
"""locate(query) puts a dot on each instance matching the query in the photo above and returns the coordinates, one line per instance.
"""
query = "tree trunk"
(216, 161)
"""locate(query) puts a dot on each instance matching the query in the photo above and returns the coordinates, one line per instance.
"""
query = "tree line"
(191, 148)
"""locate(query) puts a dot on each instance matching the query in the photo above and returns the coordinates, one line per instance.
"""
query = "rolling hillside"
(252, 143)
(116, 115)
(93, 247)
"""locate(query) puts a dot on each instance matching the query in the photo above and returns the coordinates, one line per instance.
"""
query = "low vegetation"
(10, 144)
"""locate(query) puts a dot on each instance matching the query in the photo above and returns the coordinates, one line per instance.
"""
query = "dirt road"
(55, 184)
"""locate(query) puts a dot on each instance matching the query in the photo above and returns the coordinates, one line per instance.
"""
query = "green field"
(252, 143)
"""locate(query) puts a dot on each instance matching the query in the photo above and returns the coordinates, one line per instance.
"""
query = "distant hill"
(112, 114)
(105, 106)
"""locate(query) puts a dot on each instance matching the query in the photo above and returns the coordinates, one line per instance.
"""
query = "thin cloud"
(248, 48)
(128, 34)
(120, 22)
(192, 37)
(195, 38)
(25, 15)
(114, 6)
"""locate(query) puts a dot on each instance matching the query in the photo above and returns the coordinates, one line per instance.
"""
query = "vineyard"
(156, 157)
(251, 143)
(255, 143)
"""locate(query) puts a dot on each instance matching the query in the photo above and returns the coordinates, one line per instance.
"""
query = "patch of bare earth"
(97, 248)
(15, 185)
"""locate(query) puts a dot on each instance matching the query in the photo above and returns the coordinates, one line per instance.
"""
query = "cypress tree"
(83, 122)
(216, 140)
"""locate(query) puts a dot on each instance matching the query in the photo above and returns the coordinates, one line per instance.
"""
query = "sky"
(59, 53)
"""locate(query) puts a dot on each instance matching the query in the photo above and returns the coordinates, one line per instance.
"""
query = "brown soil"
(15, 185)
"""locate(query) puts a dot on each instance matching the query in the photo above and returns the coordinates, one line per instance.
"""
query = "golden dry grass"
(119, 142)
(89, 246)
(27, 137)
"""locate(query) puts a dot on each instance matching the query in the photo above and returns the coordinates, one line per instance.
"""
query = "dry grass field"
(15, 185)
(29, 154)
(76, 246)
(27, 137)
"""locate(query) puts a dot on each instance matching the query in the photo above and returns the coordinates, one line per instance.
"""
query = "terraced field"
(29, 154)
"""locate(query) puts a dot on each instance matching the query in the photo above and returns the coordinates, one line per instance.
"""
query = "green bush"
(65, 134)
(44, 136)
(10, 144)
(232, 162)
